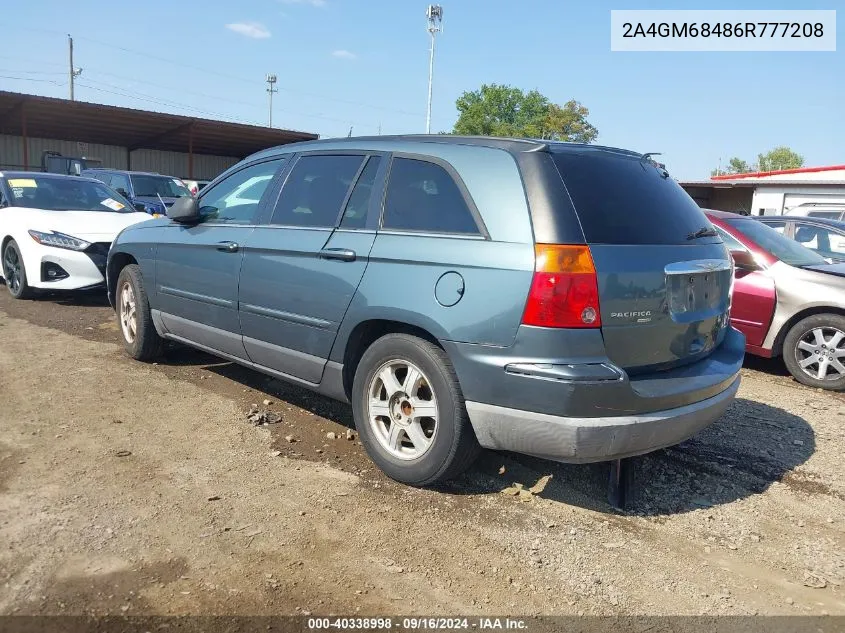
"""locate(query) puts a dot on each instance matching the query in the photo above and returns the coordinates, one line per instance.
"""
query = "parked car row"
(566, 301)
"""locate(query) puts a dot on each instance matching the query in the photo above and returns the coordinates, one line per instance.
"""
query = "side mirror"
(744, 260)
(184, 210)
(140, 206)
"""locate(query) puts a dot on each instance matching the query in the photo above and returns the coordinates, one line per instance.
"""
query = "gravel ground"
(143, 489)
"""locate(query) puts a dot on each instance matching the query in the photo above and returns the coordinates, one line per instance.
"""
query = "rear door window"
(623, 199)
(315, 190)
(423, 196)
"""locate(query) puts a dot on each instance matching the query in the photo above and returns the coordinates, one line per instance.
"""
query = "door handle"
(228, 247)
(342, 254)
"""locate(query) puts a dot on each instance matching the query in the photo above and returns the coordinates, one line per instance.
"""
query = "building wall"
(774, 200)
(206, 166)
(11, 152)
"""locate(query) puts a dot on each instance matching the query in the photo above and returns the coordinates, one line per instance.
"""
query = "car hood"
(837, 269)
(92, 226)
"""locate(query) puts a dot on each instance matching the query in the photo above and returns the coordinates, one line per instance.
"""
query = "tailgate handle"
(342, 254)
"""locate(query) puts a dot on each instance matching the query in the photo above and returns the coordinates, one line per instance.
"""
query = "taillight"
(564, 291)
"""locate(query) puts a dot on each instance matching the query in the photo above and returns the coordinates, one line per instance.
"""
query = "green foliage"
(497, 110)
(780, 158)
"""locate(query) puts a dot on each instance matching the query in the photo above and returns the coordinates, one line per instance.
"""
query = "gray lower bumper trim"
(593, 439)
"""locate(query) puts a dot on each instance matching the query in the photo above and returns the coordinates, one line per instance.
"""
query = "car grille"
(98, 253)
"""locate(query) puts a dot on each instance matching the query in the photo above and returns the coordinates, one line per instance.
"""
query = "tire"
(447, 446)
(14, 272)
(820, 337)
(133, 308)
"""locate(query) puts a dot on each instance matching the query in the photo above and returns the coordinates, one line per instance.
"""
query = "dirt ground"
(142, 489)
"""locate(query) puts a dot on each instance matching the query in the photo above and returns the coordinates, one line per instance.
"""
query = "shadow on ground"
(82, 298)
(742, 454)
(772, 366)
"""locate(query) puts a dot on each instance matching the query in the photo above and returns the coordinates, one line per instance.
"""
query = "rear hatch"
(664, 277)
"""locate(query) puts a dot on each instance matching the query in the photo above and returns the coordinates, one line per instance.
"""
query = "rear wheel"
(814, 351)
(139, 335)
(14, 272)
(409, 411)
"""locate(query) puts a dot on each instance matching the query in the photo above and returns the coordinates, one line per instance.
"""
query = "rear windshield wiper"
(704, 231)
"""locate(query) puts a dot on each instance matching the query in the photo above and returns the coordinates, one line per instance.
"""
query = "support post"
(620, 484)
(24, 139)
(191, 151)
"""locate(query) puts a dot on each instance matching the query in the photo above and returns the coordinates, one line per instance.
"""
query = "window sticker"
(114, 205)
(23, 183)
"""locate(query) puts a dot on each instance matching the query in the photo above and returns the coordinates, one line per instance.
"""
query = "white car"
(56, 231)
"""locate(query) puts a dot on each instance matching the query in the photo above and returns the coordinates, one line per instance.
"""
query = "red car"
(787, 299)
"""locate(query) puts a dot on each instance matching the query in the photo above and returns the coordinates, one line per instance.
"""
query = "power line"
(47, 81)
(249, 81)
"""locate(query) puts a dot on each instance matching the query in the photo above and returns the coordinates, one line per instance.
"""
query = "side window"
(119, 181)
(730, 241)
(779, 226)
(315, 190)
(422, 196)
(355, 214)
(3, 201)
(235, 199)
(831, 215)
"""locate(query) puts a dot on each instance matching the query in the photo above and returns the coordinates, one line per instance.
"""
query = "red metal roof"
(779, 172)
(47, 117)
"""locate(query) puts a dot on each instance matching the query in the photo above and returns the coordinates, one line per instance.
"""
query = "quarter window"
(235, 199)
(355, 214)
(315, 190)
(422, 196)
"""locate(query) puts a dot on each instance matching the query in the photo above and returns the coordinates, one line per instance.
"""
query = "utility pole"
(73, 73)
(434, 13)
(271, 82)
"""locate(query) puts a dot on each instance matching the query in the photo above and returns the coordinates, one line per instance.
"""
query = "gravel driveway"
(144, 489)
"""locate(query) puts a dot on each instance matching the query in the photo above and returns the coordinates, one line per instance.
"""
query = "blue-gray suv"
(560, 300)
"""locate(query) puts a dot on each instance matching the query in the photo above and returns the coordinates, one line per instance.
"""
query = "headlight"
(59, 240)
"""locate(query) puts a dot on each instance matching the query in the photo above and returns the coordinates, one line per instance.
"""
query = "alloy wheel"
(820, 353)
(402, 409)
(12, 269)
(128, 317)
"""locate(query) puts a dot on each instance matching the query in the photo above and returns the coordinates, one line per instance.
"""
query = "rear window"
(628, 200)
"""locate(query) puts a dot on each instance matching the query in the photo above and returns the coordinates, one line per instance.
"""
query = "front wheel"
(139, 335)
(409, 411)
(814, 351)
(14, 272)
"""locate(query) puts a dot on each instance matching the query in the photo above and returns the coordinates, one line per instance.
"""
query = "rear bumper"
(578, 440)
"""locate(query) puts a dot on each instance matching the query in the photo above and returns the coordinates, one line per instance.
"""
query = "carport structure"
(125, 138)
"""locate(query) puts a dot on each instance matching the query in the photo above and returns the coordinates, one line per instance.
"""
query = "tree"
(779, 158)
(498, 110)
(735, 166)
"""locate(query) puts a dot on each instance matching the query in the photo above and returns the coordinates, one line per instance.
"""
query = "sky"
(364, 64)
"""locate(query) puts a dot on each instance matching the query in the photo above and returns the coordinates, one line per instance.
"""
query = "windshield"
(65, 194)
(154, 186)
(785, 249)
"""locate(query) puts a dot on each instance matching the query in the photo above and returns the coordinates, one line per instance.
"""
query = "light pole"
(434, 13)
(271, 82)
